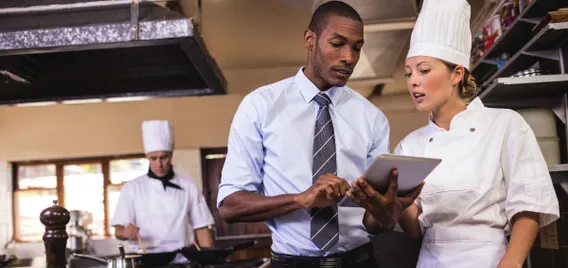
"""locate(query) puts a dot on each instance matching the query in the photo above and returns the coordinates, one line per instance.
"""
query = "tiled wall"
(186, 162)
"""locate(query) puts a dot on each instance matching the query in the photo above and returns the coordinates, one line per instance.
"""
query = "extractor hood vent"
(101, 49)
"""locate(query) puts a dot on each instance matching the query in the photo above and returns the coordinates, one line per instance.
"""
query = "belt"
(351, 257)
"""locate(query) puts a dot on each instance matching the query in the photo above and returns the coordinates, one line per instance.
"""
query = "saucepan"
(133, 260)
(212, 255)
(123, 261)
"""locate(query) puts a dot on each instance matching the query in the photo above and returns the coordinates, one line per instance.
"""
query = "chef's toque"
(157, 136)
(442, 31)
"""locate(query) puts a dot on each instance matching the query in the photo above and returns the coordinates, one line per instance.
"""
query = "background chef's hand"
(387, 208)
(324, 192)
(130, 232)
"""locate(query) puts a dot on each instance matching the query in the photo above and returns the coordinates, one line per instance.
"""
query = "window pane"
(124, 170)
(113, 192)
(37, 176)
(30, 204)
(84, 191)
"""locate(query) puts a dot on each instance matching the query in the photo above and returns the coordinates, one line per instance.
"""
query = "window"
(91, 186)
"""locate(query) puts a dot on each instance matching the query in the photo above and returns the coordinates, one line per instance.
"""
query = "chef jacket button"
(431, 139)
(472, 129)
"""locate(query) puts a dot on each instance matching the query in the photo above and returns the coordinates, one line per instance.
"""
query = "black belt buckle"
(357, 255)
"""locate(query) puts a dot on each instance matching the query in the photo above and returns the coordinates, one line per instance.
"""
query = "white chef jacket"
(491, 169)
(167, 219)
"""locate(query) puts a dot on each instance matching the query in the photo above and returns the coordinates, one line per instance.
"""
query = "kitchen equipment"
(543, 124)
(122, 261)
(496, 28)
(509, 13)
(213, 255)
(5, 260)
(142, 260)
(139, 240)
(531, 72)
(79, 235)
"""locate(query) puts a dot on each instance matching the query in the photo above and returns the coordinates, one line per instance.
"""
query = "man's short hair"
(322, 13)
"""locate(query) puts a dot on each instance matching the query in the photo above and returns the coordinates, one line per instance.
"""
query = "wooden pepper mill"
(55, 219)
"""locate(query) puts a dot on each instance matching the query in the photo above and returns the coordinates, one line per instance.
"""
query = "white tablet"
(411, 172)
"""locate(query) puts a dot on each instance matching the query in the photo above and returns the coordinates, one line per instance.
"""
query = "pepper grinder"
(55, 219)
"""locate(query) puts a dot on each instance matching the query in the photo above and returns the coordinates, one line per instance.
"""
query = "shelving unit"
(528, 42)
(514, 39)
(559, 174)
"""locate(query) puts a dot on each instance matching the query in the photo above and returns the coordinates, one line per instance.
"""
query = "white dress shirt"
(270, 152)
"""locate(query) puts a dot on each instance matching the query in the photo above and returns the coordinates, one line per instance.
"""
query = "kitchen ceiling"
(250, 42)
(265, 38)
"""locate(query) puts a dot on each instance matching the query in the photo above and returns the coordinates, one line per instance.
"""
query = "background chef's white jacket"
(491, 168)
(167, 219)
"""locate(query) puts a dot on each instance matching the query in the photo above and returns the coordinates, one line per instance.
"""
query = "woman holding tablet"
(492, 181)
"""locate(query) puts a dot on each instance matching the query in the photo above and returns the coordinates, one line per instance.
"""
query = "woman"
(493, 180)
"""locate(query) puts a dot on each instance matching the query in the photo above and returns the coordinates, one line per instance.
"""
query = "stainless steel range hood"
(81, 49)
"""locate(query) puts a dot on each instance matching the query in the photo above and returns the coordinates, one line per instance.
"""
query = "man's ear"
(309, 39)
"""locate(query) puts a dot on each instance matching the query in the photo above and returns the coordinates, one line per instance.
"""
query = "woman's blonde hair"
(467, 86)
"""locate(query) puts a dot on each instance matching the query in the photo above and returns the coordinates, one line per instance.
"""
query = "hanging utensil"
(139, 240)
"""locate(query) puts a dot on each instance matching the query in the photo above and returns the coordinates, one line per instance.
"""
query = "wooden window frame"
(59, 164)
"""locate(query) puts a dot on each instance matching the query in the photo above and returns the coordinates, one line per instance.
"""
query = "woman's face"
(430, 83)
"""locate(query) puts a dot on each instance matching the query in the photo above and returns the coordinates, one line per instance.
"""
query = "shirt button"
(472, 129)
(431, 139)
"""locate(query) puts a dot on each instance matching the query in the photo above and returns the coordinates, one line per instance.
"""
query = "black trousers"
(361, 257)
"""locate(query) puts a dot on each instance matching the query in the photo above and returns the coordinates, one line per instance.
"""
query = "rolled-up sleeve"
(245, 155)
(527, 179)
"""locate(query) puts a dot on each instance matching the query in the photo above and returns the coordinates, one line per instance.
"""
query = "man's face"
(160, 162)
(336, 51)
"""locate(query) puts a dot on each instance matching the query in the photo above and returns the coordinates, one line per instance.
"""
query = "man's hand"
(326, 191)
(130, 232)
(385, 209)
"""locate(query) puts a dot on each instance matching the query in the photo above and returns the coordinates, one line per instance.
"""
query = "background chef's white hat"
(442, 31)
(157, 136)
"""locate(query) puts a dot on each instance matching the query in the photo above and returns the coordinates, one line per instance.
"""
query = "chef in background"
(165, 209)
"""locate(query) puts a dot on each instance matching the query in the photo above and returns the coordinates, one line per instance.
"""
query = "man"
(166, 210)
(295, 145)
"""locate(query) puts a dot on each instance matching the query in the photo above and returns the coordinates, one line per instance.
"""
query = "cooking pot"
(122, 261)
(135, 260)
(212, 255)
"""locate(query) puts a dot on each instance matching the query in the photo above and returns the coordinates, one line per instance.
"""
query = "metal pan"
(212, 255)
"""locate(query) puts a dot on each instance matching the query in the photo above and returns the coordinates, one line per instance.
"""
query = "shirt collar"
(309, 89)
(474, 106)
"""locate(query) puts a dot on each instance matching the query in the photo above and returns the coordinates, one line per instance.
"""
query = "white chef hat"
(157, 136)
(442, 31)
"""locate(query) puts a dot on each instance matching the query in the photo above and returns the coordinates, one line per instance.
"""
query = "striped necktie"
(324, 223)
